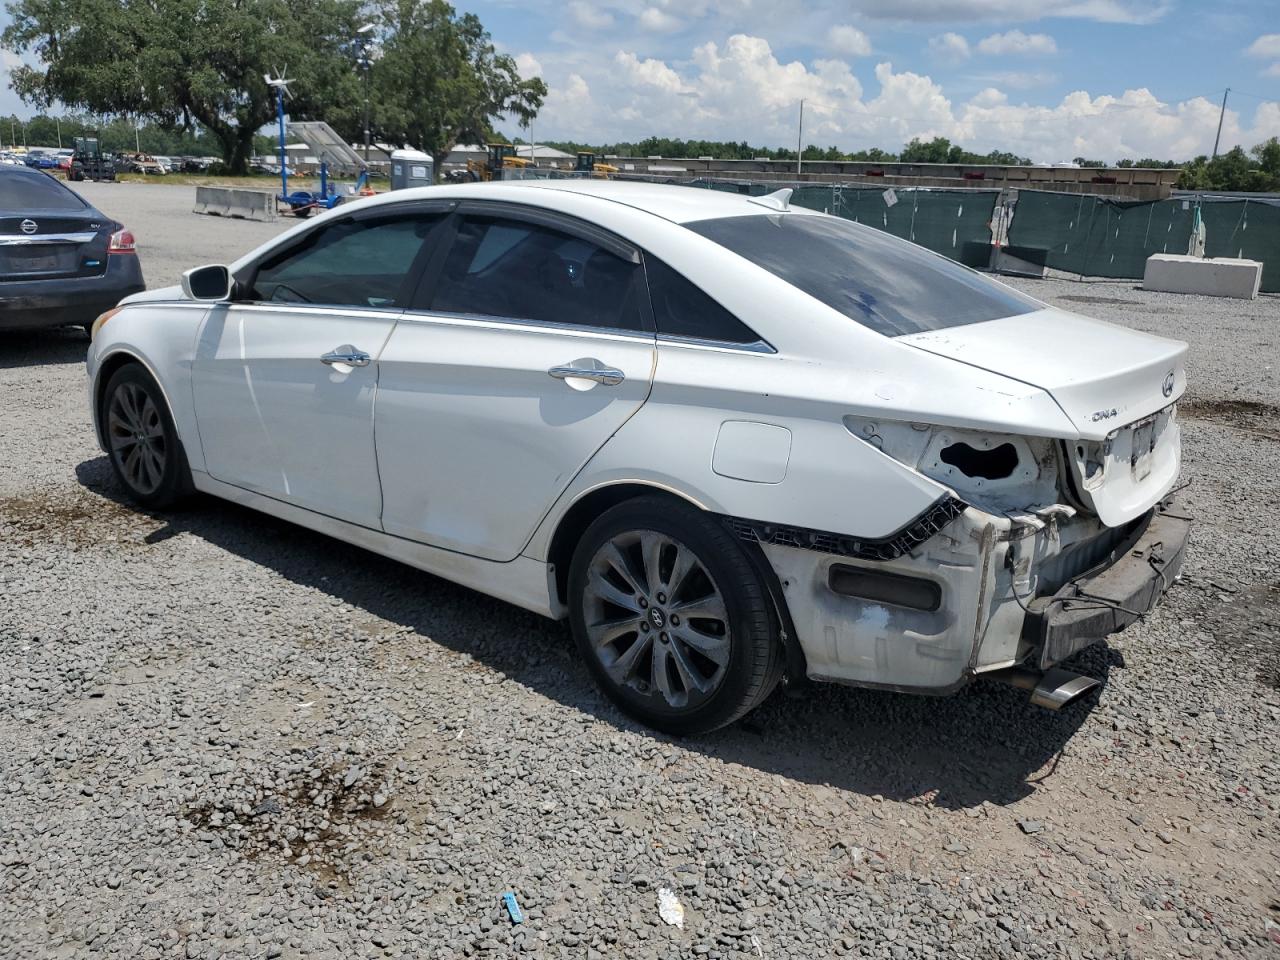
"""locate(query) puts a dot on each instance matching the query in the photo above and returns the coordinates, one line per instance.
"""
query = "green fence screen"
(954, 223)
(1103, 237)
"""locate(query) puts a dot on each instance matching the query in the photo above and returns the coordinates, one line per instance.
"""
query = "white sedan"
(728, 440)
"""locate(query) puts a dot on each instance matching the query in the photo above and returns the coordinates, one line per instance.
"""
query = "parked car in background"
(725, 438)
(40, 160)
(61, 261)
(194, 164)
(140, 163)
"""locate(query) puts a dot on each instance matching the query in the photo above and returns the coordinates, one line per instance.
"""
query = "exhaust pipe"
(1053, 689)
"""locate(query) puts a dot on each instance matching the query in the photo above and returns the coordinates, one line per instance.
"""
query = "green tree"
(1255, 171)
(937, 150)
(440, 81)
(179, 63)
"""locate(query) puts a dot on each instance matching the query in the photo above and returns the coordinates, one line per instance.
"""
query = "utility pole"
(1221, 114)
(800, 140)
(58, 121)
(366, 54)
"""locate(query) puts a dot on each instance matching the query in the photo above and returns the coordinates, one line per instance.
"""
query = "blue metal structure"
(302, 202)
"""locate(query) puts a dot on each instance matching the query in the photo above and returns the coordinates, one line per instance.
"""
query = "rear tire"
(671, 617)
(142, 442)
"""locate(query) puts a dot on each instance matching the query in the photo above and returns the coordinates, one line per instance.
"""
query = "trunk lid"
(1101, 375)
(1116, 385)
(60, 245)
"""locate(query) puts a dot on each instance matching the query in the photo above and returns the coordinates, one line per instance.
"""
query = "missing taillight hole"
(994, 464)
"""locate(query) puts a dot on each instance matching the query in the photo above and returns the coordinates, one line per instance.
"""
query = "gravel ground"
(221, 736)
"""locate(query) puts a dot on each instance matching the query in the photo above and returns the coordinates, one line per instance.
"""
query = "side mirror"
(211, 283)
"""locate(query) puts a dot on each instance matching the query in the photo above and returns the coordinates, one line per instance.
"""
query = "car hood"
(1102, 376)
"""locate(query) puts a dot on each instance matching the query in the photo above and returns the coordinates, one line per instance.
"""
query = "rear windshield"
(892, 286)
(21, 192)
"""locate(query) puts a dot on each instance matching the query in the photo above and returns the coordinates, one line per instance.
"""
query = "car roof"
(677, 203)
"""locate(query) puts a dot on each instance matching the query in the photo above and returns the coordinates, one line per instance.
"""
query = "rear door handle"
(346, 354)
(609, 376)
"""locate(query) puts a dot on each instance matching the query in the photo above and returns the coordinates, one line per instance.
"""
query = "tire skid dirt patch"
(1251, 416)
(75, 518)
(320, 814)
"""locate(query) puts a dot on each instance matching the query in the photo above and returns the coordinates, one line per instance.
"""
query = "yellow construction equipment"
(502, 156)
(588, 164)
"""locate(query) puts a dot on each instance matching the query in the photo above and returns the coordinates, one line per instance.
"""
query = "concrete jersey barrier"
(232, 202)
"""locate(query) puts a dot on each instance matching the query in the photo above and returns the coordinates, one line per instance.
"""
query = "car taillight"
(122, 242)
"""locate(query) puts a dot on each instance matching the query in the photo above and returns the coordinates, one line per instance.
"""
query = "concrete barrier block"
(231, 202)
(1002, 261)
(1214, 277)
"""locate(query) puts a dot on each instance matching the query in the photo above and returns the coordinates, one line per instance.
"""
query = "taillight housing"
(122, 242)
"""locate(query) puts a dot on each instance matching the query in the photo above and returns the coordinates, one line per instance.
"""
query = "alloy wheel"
(136, 435)
(656, 619)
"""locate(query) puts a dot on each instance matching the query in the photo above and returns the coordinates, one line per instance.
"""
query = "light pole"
(800, 140)
(1221, 116)
(366, 54)
(58, 122)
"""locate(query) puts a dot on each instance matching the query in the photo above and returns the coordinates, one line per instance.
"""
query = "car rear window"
(20, 192)
(892, 286)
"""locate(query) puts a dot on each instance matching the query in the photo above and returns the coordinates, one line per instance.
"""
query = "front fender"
(161, 337)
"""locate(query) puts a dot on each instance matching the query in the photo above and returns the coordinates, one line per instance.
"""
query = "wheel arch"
(582, 513)
(107, 366)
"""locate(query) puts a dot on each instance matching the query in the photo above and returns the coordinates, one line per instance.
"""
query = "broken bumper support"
(1122, 589)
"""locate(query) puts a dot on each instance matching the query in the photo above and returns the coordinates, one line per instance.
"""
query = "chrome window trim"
(757, 346)
(344, 311)
(486, 321)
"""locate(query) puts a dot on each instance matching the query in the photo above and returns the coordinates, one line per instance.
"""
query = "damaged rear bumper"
(984, 594)
(1113, 595)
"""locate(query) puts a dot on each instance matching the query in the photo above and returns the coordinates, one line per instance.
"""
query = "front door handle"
(346, 354)
(609, 376)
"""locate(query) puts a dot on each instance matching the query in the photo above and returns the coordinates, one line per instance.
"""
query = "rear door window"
(681, 309)
(357, 263)
(889, 285)
(520, 270)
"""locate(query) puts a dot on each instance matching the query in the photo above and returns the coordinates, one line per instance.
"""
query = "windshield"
(892, 286)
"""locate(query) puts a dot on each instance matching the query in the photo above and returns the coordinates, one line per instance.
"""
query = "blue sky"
(1049, 78)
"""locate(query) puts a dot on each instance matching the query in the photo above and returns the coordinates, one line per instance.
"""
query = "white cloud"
(989, 97)
(1266, 47)
(849, 41)
(658, 21)
(1017, 43)
(1019, 79)
(528, 65)
(590, 15)
(951, 46)
(1272, 71)
(741, 90)
(1104, 11)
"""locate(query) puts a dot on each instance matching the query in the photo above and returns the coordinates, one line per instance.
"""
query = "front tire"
(142, 441)
(671, 617)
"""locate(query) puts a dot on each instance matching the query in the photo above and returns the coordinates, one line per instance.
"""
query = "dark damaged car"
(62, 262)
